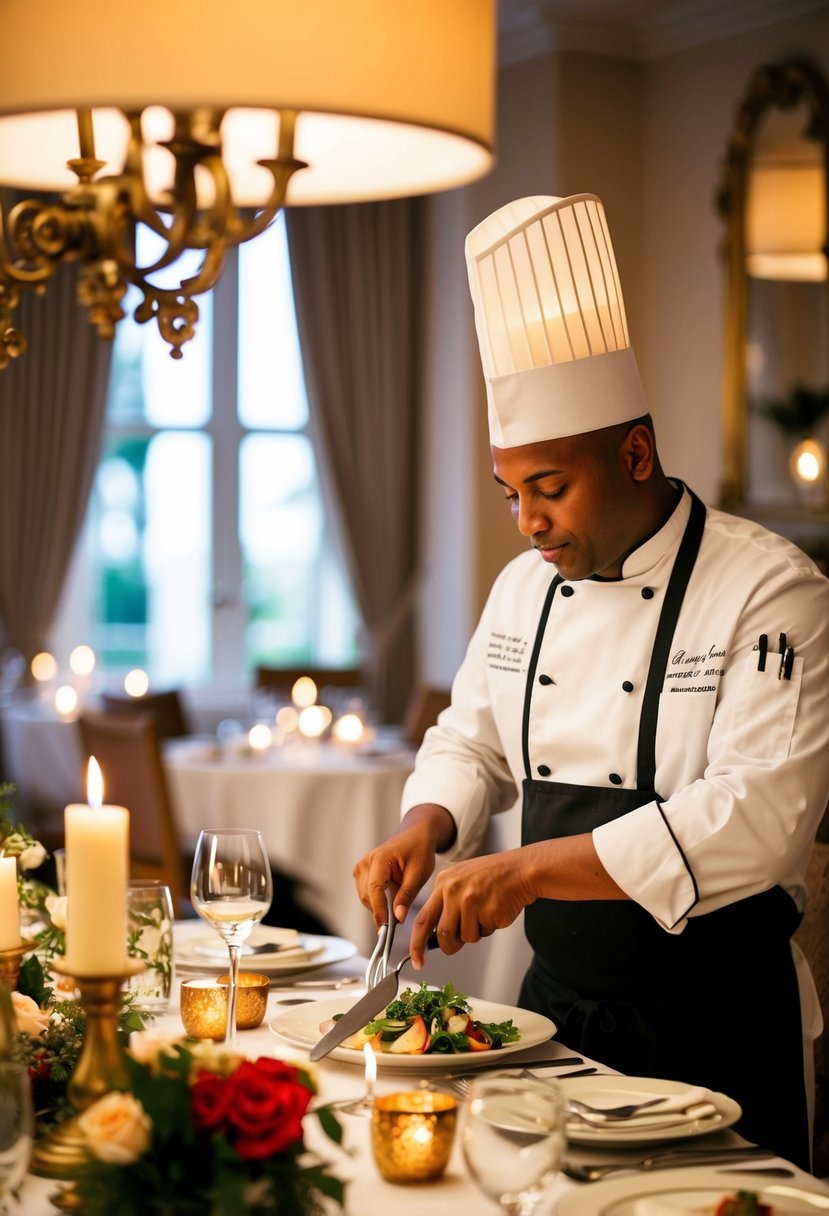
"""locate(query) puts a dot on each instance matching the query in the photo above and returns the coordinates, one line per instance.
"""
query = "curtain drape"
(356, 285)
(52, 402)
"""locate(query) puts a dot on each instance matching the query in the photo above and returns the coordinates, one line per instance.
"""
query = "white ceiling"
(636, 29)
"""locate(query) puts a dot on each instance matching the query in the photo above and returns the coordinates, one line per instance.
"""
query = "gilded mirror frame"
(784, 86)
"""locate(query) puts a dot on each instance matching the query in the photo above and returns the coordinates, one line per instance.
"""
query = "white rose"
(117, 1128)
(146, 1046)
(149, 941)
(56, 907)
(31, 1019)
(33, 856)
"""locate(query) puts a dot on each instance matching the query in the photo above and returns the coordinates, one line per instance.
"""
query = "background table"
(319, 807)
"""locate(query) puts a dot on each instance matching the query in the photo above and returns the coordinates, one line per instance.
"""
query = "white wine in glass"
(16, 1127)
(231, 889)
(513, 1139)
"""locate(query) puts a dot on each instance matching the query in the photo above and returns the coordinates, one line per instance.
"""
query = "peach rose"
(116, 1128)
(30, 1018)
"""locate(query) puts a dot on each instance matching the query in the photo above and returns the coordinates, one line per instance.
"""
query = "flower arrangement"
(49, 1038)
(204, 1131)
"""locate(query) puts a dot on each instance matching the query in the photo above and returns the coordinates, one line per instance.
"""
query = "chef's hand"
(470, 900)
(406, 860)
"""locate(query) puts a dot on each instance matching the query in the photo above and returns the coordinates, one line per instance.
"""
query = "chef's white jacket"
(742, 756)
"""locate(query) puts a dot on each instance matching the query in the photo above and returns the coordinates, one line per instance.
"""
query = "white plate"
(690, 1192)
(301, 1026)
(318, 952)
(614, 1091)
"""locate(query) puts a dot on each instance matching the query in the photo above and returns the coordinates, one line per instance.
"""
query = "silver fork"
(378, 964)
(610, 1112)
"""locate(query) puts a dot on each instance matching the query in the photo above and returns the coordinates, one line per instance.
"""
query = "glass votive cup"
(412, 1134)
(203, 1004)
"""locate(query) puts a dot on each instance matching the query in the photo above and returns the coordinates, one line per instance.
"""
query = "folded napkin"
(692, 1103)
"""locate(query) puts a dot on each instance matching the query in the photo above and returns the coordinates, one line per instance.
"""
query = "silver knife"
(675, 1159)
(367, 1008)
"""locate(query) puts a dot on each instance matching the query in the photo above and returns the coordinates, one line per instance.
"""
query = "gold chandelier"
(197, 124)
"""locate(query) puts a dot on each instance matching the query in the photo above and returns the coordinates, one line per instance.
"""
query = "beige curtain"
(52, 402)
(355, 272)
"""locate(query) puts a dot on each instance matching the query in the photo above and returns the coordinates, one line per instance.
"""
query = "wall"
(648, 137)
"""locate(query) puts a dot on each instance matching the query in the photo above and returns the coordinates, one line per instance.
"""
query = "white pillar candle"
(9, 906)
(97, 870)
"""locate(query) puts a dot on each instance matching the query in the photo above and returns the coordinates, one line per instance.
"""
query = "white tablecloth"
(320, 807)
(367, 1193)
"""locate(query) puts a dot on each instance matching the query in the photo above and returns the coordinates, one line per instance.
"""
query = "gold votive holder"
(203, 1004)
(412, 1134)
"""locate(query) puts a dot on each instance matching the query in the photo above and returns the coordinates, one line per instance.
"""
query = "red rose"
(266, 1104)
(209, 1101)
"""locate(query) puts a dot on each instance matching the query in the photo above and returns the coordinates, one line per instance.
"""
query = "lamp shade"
(786, 221)
(551, 321)
(392, 99)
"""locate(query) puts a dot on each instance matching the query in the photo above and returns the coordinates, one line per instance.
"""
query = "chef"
(653, 676)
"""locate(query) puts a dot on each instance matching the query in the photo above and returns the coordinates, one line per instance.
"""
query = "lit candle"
(348, 729)
(9, 907)
(371, 1071)
(97, 866)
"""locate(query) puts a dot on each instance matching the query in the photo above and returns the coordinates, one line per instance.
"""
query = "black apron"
(703, 1006)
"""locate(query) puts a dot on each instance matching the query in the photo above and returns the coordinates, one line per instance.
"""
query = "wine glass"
(16, 1127)
(231, 888)
(513, 1139)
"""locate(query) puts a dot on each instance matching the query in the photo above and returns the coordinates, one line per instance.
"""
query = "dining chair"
(284, 678)
(424, 705)
(166, 708)
(128, 751)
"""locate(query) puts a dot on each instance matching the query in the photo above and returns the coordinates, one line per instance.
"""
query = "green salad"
(434, 1020)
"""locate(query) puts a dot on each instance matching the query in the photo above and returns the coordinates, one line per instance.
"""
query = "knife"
(367, 1008)
(674, 1159)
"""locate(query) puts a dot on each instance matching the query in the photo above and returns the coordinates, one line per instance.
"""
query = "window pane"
(271, 384)
(280, 527)
(147, 385)
(150, 555)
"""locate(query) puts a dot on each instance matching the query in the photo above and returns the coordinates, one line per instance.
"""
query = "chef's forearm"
(569, 868)
(434, 819)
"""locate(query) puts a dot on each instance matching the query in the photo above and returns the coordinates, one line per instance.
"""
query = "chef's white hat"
(551, 321)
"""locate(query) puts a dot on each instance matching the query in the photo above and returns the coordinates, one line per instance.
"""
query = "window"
(206, 548)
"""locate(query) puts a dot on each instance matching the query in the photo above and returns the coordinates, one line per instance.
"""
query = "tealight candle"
(97, 867)
(412, 1134)
(348, 729)
(9, 907)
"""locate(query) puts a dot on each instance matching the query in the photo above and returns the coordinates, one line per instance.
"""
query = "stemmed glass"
(513, 1139)
(16, 1127)
(231, 888)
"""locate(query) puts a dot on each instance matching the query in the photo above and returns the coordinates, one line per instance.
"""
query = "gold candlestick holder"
(101, 1068)
(10, 962)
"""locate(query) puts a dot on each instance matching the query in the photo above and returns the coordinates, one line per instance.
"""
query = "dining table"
(368, 1194)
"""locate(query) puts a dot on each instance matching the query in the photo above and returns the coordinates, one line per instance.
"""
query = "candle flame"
(371, 1064)
(94, 783)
